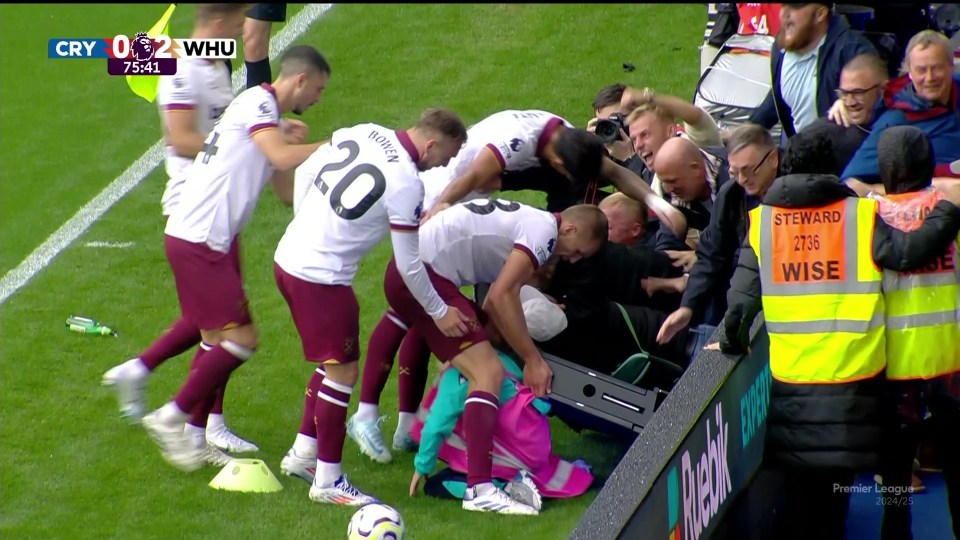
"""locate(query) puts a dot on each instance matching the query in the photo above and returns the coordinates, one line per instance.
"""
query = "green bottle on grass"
(85, 325)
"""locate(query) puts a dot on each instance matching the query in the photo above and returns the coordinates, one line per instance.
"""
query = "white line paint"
(15, 279)
(115, 245)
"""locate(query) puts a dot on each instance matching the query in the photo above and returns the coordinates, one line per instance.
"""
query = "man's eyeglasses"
(857, 94)
(754, 170)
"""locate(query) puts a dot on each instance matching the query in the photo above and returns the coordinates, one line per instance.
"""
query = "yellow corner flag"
(145, 86)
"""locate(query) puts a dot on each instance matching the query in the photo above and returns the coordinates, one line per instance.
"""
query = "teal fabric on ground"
(448, 407)
(457, 487)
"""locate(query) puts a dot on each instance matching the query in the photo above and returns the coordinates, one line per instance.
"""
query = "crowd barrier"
(692, 472)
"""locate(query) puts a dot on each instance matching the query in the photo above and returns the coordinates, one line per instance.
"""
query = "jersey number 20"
(348, 178)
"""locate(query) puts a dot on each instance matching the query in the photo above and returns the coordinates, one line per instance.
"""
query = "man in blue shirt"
(809, 35)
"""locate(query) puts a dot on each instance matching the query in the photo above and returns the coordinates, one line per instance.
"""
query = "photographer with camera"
(610, 124)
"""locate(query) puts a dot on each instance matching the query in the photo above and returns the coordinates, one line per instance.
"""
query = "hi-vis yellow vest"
(821, 293)
(923, 306)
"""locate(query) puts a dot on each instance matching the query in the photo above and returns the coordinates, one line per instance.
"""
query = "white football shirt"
(517, 138)
(225, 181)
(469, 242)
(202, 86)
(361, 184)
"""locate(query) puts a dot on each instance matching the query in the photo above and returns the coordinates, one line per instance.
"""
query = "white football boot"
(497, 501)
(522, 489)
(367, 434)
(341, 492)
(297, 466)
(177, 448)
(228, 441)
(128, 384)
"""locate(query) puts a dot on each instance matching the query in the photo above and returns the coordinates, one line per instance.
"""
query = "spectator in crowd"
(627, 221)
(926, 96)
(754, 161)
(811, 48)
(653, 121)
(759, 18)
(590, 290)
(827, 398)
(849, 121)
(691, 178)
(923, 332)
(609, 104)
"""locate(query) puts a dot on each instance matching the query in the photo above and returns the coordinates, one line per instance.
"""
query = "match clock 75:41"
(132, 66)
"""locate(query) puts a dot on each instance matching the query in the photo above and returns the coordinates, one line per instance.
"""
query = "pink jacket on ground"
(522, 441)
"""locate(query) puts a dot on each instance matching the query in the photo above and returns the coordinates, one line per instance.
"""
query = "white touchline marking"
(99, 244)
(15, 279)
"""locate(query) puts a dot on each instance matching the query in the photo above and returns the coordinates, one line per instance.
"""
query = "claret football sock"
(179, 338)
(479, 423)
(308, 422)
(331, 414)
(383, 346)
(414, 367)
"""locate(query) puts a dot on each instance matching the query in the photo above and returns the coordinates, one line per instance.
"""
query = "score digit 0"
(120, 46)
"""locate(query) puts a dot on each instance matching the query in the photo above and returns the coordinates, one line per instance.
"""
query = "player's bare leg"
(256, 48)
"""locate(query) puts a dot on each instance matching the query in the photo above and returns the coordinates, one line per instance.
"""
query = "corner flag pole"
(145, 86)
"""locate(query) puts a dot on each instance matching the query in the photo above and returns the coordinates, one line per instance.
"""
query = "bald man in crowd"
(691, 179)
(627, 221)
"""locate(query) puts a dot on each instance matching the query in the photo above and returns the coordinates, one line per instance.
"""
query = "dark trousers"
(815, 505)
(911, 398)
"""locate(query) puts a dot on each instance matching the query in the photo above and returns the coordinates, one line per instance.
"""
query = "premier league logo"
(515, 145)
(551, 244)
(142, 47)
(418, 211)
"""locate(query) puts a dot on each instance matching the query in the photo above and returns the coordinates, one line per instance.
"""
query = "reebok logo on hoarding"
(705, 481)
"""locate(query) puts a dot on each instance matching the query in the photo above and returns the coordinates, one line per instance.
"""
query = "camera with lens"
(608, 129)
